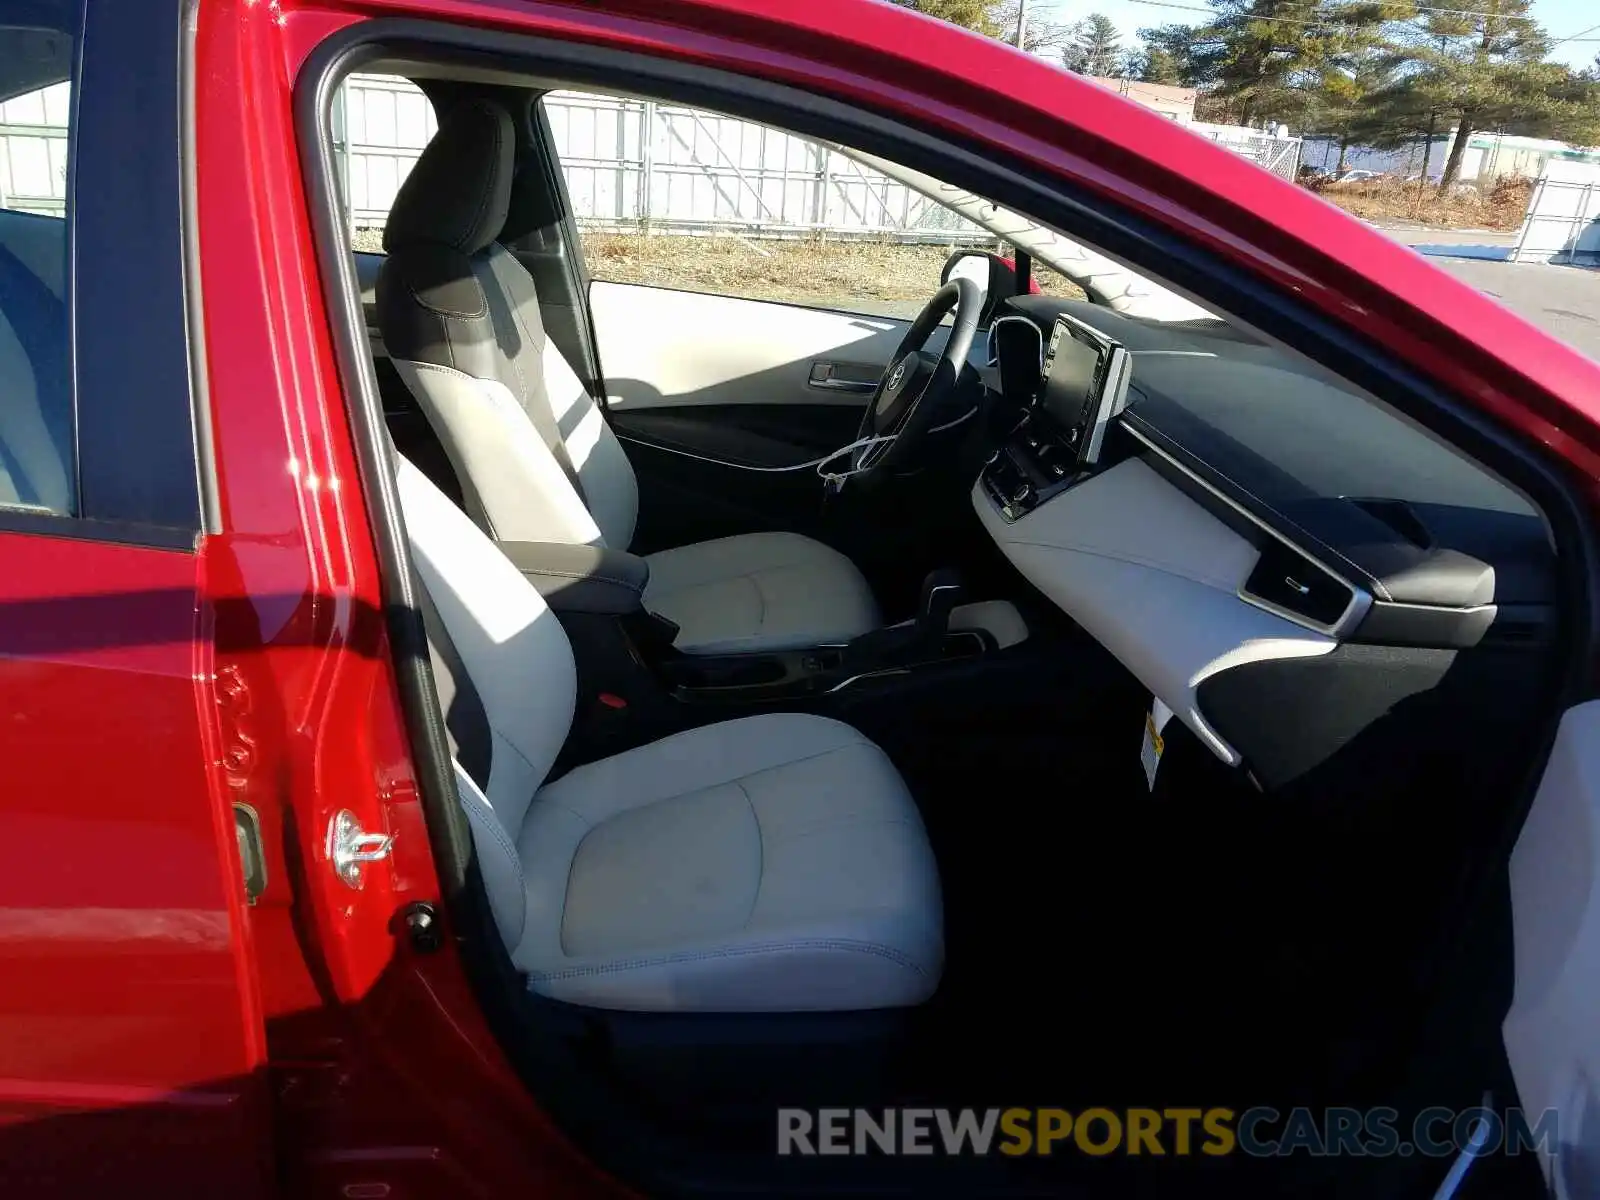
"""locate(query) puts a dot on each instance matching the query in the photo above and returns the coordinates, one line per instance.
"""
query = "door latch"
(350, 847)
(252, 858)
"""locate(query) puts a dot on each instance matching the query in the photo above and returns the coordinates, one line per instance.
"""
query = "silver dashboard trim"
(1113, 399)
(993, 353)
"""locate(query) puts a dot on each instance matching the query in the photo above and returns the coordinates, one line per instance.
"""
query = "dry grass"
(769, 269)
(837, 273)
(1053, 284)
(1500, 206)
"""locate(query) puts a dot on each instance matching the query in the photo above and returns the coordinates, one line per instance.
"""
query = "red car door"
(383, 1066)
(131, 1047)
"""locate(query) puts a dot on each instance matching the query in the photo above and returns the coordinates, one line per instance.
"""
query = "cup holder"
(735, 671)
(740, 672)
(795, 674)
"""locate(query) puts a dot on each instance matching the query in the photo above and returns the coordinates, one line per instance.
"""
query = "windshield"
(1104, 280)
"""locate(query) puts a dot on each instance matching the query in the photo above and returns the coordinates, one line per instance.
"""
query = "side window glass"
(381, 123)
(37, 438)
(678, 197)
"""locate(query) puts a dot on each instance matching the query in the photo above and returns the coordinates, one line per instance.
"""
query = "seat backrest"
(505, 676)
(460, 321)
(36, 443)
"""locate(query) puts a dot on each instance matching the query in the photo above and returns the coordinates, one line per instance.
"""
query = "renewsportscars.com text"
(1258, 1132)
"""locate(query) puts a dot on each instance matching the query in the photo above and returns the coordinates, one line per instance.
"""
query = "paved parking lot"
(1564, 301)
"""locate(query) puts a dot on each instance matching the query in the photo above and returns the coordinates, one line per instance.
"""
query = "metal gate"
(1278, 154)
(1563, 221)
(638, 165)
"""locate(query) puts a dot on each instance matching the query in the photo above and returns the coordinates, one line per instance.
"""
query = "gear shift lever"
(917, 639)
(941, 592)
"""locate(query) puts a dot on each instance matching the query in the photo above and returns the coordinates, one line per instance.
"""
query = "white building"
(1496, 156)
(1174, 102)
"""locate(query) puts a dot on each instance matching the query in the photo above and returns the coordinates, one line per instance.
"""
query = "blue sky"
(1563, 18)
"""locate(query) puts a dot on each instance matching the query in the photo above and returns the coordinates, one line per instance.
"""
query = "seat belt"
(544, 420)
(535, 400)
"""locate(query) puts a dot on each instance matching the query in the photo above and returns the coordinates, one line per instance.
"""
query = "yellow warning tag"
(1150, 752)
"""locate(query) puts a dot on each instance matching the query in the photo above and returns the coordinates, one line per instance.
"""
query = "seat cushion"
(774, 863)
(759, 591)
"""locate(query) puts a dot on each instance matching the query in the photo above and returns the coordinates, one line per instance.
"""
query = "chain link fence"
(1279, 154)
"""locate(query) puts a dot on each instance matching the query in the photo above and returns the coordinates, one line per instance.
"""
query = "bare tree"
(1047, 38)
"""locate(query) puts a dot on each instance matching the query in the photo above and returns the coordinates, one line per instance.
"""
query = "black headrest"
(458, 193)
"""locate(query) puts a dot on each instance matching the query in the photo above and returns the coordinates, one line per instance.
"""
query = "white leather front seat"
(535, 457)
(774, 863)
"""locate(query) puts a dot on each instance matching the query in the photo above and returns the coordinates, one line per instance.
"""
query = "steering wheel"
(916, 387)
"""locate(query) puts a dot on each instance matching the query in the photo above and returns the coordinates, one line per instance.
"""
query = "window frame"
(137, 471)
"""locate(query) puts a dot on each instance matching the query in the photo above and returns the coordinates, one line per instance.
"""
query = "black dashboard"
(1367, 526)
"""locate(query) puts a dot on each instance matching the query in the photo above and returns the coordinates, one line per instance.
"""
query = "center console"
(926, 640)
(789, 675)
(635, 685)
(1064, 412)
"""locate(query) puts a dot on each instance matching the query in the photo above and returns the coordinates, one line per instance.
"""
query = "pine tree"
(1286, 60)
(1345, 97)
(1157, 65)
(1095, 48)
(1481, 65)
(1180, 54)
(978, 15)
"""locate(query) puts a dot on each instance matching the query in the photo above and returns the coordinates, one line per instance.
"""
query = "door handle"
(350, 847)
(825, 377)
(843, 385)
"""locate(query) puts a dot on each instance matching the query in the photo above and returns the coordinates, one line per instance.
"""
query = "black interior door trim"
(751, 437)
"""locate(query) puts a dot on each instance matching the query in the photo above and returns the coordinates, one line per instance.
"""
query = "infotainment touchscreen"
(1072, 373)
(1085, 384)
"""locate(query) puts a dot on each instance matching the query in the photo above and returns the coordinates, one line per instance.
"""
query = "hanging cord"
(835, 479)
(815, 462)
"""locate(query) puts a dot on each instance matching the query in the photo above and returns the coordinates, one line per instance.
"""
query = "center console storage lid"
(584, 579)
